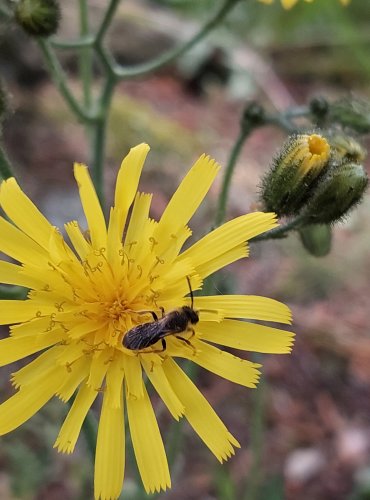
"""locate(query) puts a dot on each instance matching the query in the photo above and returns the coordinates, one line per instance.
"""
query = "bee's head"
(191, 314)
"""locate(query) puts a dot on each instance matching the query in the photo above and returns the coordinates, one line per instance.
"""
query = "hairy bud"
(38, 17)
(294, 174)
(346, 148)
(341, 190)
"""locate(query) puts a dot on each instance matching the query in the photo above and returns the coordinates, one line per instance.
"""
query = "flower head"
(86, 296)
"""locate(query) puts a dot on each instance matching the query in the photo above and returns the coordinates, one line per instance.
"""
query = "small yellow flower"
(288, 4)
(86, 296)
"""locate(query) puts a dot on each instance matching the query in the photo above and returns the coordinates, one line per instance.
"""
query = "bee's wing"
(142, 336)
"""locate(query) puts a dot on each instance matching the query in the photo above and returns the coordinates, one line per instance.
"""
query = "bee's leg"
(155, 351)
(187, 342)
(162, 311)
(192, 332)
(155, 317)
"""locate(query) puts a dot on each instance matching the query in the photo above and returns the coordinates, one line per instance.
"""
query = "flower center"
(116, 309)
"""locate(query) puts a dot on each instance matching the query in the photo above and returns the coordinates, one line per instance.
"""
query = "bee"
(174, 323)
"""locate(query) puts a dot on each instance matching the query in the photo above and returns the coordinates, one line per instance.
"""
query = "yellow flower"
(86, 296)
(288, 4)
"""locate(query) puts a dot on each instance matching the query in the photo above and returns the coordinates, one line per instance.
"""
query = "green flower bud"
(38, 17)
(340, 191)
(294, 174)
(319, 107)
(346, 148)
(316, 239)
(253, 115)
(353, 113)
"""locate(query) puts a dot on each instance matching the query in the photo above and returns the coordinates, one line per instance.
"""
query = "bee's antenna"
(191, 292)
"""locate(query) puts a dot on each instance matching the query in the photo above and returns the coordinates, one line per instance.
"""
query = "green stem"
(257, 431)
(60, 81)
(234, 155)
(98, 137)
(85, 58)
(279, 232)
(83, 41)
(5, 166)
(107, 19)
(145, 68)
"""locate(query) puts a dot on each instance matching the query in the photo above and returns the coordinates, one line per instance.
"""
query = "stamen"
(154, 242)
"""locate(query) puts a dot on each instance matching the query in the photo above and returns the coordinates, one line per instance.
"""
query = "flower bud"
(319, 107)
(253, 115)
(341, 190)
(294, 174)
(316, 239)
(38, 17)
(353, 113)
(346, 148)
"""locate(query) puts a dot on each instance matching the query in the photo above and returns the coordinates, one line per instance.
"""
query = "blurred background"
(307, 434)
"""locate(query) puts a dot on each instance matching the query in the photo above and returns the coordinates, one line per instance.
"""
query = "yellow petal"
(128, 181)
(139, 217)
(99, 367)
(76, 373)
(70, 430)
(15, 348)
(247, 336)
(33, 327)
(228, 236)
(159, 380)
(209, 267)
(226, 365)
(200, 414)
(91, 206)
(246, 307)
(16, 311)
(110, 453)
(24, 213)
(186, 200)
(27, 401)
(11, 274)
(34, 371)
(78, 240)
(133, 377)
(148, 445)
(19, 246)
(114, 243)
(114, 381)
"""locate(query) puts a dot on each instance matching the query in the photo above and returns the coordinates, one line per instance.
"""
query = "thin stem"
(5, 166)
(257, 431)
(98, 137)
(234, 155)
(85, 58)
(97, 149)
(78, 43)
(148, 67)
(107, 19)
(281, 231)
(60, 81)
